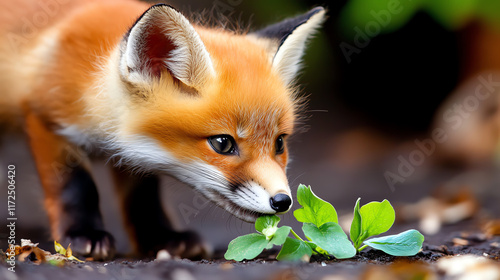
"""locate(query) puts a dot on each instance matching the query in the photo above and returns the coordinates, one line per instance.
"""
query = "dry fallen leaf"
(29, 251)
(492, 228)
(400, 270)
(442, 208)
(68, 253)
(59, 248)
(469, 267)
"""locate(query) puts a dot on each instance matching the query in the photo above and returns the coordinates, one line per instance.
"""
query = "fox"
(153, 94)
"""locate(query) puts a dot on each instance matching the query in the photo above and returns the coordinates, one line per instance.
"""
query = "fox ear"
(161, 40)
(286, 41)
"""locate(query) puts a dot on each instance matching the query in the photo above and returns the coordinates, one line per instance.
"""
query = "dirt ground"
(369, 264)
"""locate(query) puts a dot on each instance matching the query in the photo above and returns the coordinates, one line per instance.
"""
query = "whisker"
(297, 177)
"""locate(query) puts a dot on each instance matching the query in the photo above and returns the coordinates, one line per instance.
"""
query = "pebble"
(88, 268)
(163, 255)
(460, 242)
(226, 266)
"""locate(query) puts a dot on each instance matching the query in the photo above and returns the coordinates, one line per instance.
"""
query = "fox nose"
(280, 202)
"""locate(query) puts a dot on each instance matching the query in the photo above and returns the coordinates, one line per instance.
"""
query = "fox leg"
(71, 197)
(147, 224)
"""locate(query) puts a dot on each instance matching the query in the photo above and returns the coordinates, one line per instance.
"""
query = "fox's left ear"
(286, 41)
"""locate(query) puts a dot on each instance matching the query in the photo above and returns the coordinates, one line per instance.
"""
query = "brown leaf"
(492, 228)
(400, 269)
(469, 267)
(29, 251)
(69, 252)
(442, 208)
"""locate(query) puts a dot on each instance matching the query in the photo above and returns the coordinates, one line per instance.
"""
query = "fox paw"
(187, 244)
(98, 244)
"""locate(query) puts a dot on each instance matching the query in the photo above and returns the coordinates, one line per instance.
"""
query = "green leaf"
(280, 236)
(407, 243)
(376, 218)
(331, 238)
(356, 225)
(314, 209)
(267, 225)
(246, 247)
(312, 245)
(295, 250)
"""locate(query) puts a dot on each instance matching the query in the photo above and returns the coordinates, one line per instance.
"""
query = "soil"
(448, 242)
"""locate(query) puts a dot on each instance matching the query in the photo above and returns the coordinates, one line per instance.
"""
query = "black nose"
(280, 202)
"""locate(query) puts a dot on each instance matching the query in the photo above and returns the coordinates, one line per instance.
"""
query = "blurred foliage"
(269, 11)
(393, 14)
(318, 54)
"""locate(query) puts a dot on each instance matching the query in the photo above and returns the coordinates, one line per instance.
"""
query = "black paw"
(97, 244)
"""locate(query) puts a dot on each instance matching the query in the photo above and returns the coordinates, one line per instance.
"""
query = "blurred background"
(403, 105)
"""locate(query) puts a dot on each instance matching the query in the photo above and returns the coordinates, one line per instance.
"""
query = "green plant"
(323, 233)
(375, 218)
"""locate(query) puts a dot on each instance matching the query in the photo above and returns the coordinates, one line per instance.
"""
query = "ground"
(452, 241)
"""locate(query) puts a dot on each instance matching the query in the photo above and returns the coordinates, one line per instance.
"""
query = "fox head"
(211, 107)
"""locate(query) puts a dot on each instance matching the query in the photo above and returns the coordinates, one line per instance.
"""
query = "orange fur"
(54, 158)
(70, 81)
(245, 78)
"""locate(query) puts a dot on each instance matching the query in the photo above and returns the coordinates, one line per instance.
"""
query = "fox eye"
(223, 144)
(280, 144)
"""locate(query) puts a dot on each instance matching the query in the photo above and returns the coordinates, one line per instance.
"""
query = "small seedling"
(251, 245)
(324, 235)
(375, 218)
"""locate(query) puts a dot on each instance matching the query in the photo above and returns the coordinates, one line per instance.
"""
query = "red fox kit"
(156, 95)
